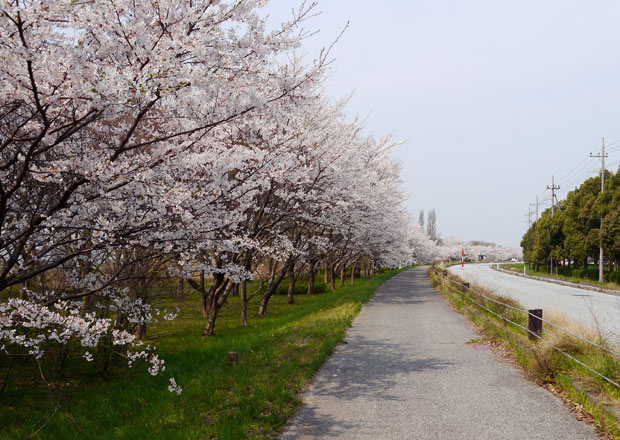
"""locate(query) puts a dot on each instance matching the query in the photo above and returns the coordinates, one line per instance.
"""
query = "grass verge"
(278, 356)
(589, 396)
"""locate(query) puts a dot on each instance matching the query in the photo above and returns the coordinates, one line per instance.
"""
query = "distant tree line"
(573, 233)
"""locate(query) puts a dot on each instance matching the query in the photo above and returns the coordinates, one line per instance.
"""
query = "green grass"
(278, 356)
(580, 280)
(540, 359)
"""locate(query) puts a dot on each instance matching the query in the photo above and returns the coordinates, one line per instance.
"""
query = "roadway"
(587, 307)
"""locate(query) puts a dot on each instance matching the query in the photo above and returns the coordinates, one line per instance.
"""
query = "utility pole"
(529, 217)
(553, 200)
(529, 226)
(536, 205)
(600, 258)
(553, 196)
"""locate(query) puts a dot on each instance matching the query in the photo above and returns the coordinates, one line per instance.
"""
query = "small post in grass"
(534, 323)
(232, 358)
(465, 285)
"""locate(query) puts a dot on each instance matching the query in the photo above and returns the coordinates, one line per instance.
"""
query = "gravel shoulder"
(407, 371)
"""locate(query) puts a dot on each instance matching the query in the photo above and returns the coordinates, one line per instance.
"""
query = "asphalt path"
(407, 371)
(585, 306)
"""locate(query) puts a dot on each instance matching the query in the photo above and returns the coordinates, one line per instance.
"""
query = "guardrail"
(534, 319)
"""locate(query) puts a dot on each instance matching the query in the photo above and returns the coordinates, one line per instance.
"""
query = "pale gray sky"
(492, 97)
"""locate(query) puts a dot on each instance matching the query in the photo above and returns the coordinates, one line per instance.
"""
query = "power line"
(581, 166)
(614, 163)
(576, 180)
(578, 170)
(565, 176)
(542, 194)
(576, 175)
(616, 148)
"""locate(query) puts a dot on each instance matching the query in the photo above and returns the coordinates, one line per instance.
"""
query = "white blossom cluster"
(173, 387)
(29, 328)
(30, 324)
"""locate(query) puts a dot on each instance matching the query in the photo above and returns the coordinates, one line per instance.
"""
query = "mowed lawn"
(278, 356)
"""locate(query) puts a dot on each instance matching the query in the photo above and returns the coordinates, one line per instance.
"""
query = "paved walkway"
(408, 373)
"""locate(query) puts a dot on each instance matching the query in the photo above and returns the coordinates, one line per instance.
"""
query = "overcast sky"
(491, 97)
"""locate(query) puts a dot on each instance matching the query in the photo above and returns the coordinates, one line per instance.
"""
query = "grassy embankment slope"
(278, 356)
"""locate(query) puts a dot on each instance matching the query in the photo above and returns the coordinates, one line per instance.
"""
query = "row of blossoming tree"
(427, 250)
(145, 143)
(177, 139)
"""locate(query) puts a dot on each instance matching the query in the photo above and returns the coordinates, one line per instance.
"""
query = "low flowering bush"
(34, 330)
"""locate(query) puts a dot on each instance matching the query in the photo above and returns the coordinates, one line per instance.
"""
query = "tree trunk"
(273, 267)
(203, 294)
(141, 331)
(311, 276)
(87, 303)
(353, 272)
(326, 274)
(271, 289)
(210, 327)
(216, 299)
(244, 303)
(291, 287)
(332, 277)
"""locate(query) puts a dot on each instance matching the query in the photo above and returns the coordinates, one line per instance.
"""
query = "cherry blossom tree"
(108, 113)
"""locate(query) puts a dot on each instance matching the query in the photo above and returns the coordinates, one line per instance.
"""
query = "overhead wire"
(616, 148)
(612, 164)
(576, 166)
(576, 176)
(612, 150)
(579, 173)
(578, 179)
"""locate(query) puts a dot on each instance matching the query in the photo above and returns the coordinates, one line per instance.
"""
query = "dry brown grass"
(557, 339)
